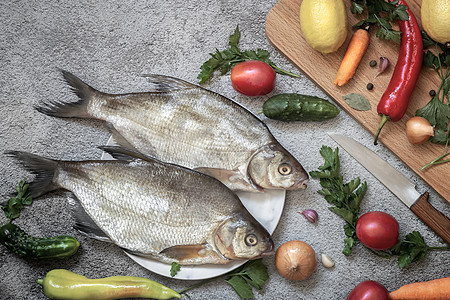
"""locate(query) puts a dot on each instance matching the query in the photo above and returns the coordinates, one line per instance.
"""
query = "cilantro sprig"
(381, 13)
(223, 61)
(15, 204)
(252, 274)
(437, 110)
(346, 197)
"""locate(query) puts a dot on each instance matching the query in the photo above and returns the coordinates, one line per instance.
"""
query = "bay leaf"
(357, 101)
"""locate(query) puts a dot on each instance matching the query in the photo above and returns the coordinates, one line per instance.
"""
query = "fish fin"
(186, 252)
(233, 179)
(118, 138)
(68, 110)
(125, 154)
(43, 168)
(84, 223)
(205, 256)
(167, 84)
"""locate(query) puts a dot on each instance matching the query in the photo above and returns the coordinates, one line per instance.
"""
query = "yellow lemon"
(435, 15)
(324, 24)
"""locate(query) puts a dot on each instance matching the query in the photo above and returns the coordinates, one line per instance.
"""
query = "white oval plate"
(266, 208)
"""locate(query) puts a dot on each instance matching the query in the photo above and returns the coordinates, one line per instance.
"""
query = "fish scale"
(167, 116)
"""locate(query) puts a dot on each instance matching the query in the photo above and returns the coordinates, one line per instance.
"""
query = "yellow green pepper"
(64, 284)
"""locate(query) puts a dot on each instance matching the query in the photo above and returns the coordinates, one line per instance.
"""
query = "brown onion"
(295, 260)
(418, 130)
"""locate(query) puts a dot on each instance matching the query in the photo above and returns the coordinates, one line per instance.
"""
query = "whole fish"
(185, 124)
(153, 209)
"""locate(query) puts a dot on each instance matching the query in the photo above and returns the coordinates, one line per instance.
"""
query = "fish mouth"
(267, 253)
(300, 184)
(270, 250)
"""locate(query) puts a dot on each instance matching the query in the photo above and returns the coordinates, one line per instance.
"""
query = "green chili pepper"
(64, 284)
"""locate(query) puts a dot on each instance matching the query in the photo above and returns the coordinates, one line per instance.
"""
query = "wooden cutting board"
(283, 31)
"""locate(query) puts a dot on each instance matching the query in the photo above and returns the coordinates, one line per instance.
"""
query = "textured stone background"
(110, 44)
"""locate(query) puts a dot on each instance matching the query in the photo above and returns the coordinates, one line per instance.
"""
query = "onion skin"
(295, 260)
(418, 130)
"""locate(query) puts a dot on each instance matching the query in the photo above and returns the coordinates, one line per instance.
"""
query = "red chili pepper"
(394, 102)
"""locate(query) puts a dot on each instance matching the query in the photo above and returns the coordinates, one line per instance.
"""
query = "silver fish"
(185, 124)
(153, 209)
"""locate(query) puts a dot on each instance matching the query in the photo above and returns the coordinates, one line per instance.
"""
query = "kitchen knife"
(398, 184)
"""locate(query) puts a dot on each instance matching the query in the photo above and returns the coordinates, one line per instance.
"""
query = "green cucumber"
(19, 242)
(296, 107)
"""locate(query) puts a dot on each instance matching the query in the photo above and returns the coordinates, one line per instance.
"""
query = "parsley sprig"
(15, 204)
(174, 268)
(437, 110)
(381, 13)
(347, 198)
(252, 274)
(225, 60)
(413, 248)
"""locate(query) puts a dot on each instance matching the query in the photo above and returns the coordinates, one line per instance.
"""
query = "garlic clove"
(327, 262)
(384, 64)
(310, 214)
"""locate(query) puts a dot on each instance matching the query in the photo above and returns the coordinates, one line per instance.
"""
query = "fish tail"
(43, 168)
(78, 109)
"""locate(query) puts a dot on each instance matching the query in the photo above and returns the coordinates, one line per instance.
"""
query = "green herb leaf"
(349, 230)
(427, 41)
(345, 214)
(357, 8)
(235, 37)
(357, 101)
(446, 58)
(224, 61)
(240, 285)
(15, 204)
(376, 14)
(257, 272)
(411, 249)
(440, 137)
(348, 245)
(399, 12)
(387, 33)
(174, 269)
(436, 112)
(346, 198)
(446, 87)
(430, 60)
(252, 273)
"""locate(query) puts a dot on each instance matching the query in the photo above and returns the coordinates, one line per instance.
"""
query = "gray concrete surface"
(110, 44)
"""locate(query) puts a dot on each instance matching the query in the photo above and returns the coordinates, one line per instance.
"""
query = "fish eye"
(251, 240)
(284, 169)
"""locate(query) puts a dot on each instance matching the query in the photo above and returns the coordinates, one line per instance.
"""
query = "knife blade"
(398, 184)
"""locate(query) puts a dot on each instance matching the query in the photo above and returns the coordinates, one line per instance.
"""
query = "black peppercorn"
(369, 86)
(373, 63)
(432, 93)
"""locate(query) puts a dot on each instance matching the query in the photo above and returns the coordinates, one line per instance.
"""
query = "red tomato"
(369, 290)
(377, 230)
(253, 78)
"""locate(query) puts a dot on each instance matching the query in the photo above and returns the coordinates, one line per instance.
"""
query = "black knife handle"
(437, 221)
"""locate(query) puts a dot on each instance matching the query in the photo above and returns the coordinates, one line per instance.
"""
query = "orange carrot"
(437, 289)
(355, 51)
